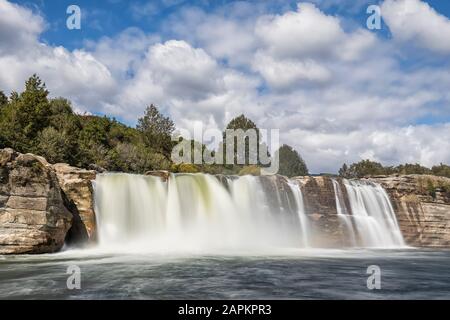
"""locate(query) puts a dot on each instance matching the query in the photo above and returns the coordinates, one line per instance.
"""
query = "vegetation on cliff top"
(371, 168)
(32, 122)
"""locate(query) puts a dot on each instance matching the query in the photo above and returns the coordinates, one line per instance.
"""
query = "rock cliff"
(422, 206)
(33, 217)
(78, 195)
(42, 206)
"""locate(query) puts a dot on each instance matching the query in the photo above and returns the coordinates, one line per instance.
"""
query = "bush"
(250, 171)
(291, 163)
(185, 168)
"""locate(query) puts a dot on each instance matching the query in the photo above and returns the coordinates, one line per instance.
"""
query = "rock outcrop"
(422, 206)
(33, 217)
(78, 194)
(320, 205)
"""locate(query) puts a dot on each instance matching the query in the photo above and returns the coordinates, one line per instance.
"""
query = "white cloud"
(76, 75)
(337, 94)
(416, 22)
(288, 73)
(306, 32)
(18, 27)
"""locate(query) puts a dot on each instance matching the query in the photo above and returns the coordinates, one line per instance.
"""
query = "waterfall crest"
(199, 212)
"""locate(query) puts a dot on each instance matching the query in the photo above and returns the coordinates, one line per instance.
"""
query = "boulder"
(163, 174)
(33, 217)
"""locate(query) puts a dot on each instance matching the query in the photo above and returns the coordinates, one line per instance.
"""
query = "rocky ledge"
(41, 204)
(422, 206)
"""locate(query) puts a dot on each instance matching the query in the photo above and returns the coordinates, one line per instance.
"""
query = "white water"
(343, 214)
(196, 212)
(372, 220)
(199, 213)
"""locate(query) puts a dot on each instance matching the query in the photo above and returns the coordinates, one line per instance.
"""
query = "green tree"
(156, 131)
(250, 131)
(25, 116)
(441, 170)
(408, 168)
(366, 168)
(55, 146)
(343, 171)
(291, 163)
(3, 99)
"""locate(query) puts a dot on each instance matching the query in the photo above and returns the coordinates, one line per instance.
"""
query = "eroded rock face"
(78, 195)
(33, 218)
(422, 206)
(163, 174)
(320, 206)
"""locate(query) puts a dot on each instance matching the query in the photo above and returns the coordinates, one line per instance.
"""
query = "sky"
(337, 91)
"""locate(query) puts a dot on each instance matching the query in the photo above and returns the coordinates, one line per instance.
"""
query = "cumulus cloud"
(416, 22)
(76, 75)
(19, 27)
(305, 32)
(281, 74)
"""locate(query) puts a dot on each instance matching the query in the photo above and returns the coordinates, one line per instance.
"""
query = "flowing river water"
(200, 237)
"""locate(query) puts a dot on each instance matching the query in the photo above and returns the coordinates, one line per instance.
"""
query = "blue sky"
(109, 17)
(336, 90)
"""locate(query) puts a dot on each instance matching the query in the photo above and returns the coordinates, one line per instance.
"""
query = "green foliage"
(3, 99)
(441, 170)
(185, 168)
(370, 168)
(291, 163)
(56, 146)
(411, 169)
(30, 122)
(343, 171)
(431, 188)
(25, 116)
(363, 168)
(156, 131)
(242, 123)
(250, 170)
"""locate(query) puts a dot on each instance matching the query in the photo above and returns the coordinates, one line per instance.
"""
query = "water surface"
(288, 274)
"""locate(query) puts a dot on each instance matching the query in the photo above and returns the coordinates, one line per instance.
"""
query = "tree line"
(372, 168)
(32, 122)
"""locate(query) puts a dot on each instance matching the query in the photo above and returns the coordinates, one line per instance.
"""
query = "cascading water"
(372, 219)
(199, 212)
(342, 212)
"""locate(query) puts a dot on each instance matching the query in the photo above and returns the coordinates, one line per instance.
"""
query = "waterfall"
(372, 219)
(199, 212)
(342, 212)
